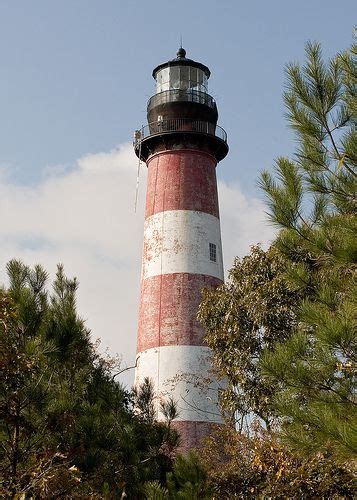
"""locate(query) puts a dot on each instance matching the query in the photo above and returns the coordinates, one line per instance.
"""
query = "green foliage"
(314, 370)
(321, 108)
(154, 491)
(169, 409)
(259, 466)
(252, 311)
(67, 428)
(187, 481)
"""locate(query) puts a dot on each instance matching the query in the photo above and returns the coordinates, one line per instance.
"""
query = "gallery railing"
(179, 125)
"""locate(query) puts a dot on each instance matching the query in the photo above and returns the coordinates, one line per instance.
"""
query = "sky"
(75, 77)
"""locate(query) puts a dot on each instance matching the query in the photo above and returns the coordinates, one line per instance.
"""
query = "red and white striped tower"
(182, 253)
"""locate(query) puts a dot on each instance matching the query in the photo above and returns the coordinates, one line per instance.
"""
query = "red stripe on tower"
(175, 321)
(175, 180)
(182, 243)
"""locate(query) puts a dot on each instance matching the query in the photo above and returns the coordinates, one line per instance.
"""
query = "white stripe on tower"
(182, 255)
(177, 241)
(183, 372)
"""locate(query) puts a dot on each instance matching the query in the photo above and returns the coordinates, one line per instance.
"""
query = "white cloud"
(84, 218)
(243, 222)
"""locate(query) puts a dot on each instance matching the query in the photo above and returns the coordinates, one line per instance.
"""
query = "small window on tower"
(212, 252)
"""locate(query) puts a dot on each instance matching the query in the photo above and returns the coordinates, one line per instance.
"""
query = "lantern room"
(181, 74)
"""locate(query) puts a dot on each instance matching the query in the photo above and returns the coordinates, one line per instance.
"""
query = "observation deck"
(150, 136)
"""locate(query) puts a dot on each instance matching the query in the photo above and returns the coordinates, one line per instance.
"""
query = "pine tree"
(67, 427)
(312, 199)
(187, 481)
(29, 452)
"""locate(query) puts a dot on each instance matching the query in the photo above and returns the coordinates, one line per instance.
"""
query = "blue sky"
(75, 80)
(76, 74)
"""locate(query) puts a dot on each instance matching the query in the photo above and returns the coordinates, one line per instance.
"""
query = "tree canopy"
(67, 427)
(283, 327)
(313, 200)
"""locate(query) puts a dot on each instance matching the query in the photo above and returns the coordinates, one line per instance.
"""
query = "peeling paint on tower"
(182, 251)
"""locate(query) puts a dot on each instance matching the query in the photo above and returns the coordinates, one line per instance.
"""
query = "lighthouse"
(182, 252)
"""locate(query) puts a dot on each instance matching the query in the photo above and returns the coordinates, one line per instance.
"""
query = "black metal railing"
(179, 125)
(176, 95)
